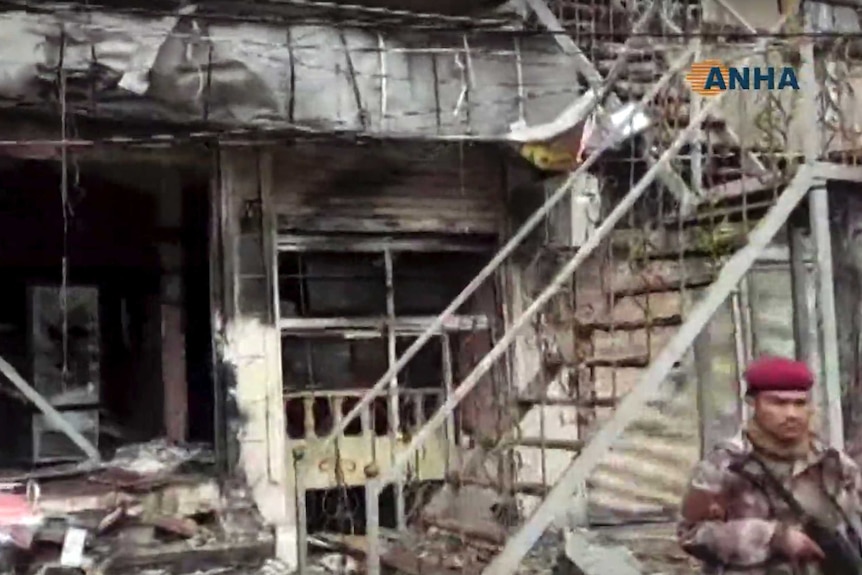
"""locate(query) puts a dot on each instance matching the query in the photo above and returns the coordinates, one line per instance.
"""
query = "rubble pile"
(153, 506)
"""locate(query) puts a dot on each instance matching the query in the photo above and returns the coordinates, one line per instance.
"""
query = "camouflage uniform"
(729, 523)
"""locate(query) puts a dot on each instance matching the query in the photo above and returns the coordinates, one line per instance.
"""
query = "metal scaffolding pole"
(818, 202)
(517, 547)
(49, 411)
(826, 315)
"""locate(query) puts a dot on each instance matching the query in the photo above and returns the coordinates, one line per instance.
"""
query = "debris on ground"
(654, 545)
(645, 549)
(152, 508)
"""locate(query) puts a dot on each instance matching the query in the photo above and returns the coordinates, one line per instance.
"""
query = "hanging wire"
(64, 197)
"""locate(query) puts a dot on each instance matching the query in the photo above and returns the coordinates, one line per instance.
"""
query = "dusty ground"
(653, 546)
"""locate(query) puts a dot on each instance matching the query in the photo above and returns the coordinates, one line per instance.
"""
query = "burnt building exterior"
(399, 263)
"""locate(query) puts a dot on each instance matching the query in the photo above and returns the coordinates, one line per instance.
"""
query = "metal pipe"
(299, 493)
(822, 236)
(799, 287)
(372, 532)
(819, 213)
(734, 270)
(393, 402)
(49, 411)
(739, 348)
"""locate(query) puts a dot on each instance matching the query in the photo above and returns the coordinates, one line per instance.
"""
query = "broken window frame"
(390, 328)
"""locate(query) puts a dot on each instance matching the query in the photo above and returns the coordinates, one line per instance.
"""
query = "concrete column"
(252, 347)
(173, 346)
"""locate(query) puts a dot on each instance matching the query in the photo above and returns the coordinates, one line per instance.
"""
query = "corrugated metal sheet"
(393, 187)
(647, 472)
(772, 311)
(718, 378)
(771, 300)
(644, 474)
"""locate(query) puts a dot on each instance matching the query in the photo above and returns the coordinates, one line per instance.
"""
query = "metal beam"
(840, 172)
(819, 216)
(737, 16)
(517, 547)
(49, 411)
(799, 283)
(827, 319)
(668, 176)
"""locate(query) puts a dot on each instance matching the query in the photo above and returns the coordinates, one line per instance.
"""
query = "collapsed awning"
(560, 145)
(187, 68)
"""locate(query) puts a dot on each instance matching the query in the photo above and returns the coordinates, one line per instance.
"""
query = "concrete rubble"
(152, 508)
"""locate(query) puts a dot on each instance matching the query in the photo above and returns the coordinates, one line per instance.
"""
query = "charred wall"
(109, 244)
(412, 192)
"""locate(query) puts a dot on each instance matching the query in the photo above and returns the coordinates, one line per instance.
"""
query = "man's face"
(785, 415)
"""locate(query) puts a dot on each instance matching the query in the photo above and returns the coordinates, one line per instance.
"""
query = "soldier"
(751, 504)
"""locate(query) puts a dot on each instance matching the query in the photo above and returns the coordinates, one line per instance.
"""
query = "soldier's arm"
(704, 530)
(852, 483)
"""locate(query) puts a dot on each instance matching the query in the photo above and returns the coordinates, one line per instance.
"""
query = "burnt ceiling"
(275, 9)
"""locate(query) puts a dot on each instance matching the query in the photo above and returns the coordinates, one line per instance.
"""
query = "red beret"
(777, 374)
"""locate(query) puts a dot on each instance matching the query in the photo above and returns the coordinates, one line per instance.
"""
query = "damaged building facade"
(242, 284)
(381, 283)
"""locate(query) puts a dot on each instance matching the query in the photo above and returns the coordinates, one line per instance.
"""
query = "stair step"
(522, 487)
(640, 361)
(630, 325)
(680, 110)
(659, 285)
(658, 245)
(632, 89)
(610, 49)
(658, 276)
(596, 12)
(585, 402)
(488, 532)
(636, 360)
(645, 71)
(547, 443)
(752, 210)
(615, 361)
